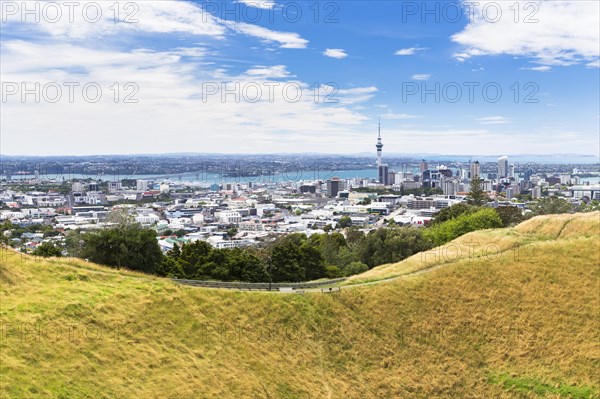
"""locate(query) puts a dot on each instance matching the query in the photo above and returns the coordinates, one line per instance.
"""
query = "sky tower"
(382, 169)
(379, 144)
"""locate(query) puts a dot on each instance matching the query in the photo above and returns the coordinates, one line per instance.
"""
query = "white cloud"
(150, 16)
(351, 96)
(553, 32)
(264, 4)
(274, 72)
(409, 51)
(335, 53)
(541, 68)
(155, 16)
(285, 39)
(173, 109)
(493, 120)
(421, 76)
(593, 64)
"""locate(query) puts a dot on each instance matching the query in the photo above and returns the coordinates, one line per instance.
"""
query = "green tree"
(74, 243)
(194, 259)
(312, 261)
(452, 212)
(129, 246)
(551, 205)
(47, 249)
(591, 206)
(121, 218)
(485, 218)
(254, 270)
(295, 258)
(171, 268)
(354, 237)
(355, 268)
(333, 272)
(179, 233)
(510, 215)
(344, 222)
(232, 231)
(6, 232)
(477, 196)
(392, 244)
(286, 259)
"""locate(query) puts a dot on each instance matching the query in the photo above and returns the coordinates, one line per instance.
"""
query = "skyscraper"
(382, 169)
(383, 174)
(502, 166)
(475, 169)
(334, 186)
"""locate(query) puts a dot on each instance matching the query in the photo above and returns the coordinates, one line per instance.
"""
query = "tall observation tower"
(379, 144)
(382, 169)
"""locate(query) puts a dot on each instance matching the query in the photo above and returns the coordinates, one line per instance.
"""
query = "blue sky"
(174, 52)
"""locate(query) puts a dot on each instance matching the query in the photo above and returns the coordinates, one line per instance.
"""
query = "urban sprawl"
(256, 208)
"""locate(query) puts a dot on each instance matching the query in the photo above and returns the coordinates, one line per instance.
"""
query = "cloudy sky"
(266, 76)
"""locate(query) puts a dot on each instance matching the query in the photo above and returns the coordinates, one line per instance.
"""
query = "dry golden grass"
(487, 327)
(518, 242)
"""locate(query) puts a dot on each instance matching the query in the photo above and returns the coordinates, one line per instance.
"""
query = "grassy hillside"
(516, 243)
(520, 324)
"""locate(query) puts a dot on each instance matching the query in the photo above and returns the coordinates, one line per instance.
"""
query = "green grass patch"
(523, 384)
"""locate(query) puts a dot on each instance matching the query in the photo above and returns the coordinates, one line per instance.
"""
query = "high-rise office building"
(423, 166)
(334, 186)
(383, 174)
(475, 170)
(502, 167)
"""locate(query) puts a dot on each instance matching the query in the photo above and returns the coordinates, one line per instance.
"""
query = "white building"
(77, 187)
(198, 218)
(164, 188)
(147, 219)
(503, 166)
(219, 243)
(251, 225)
(142, 185)
(230, 217)
(114, 186)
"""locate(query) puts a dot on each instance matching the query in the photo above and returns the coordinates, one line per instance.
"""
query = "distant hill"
(521, 321)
